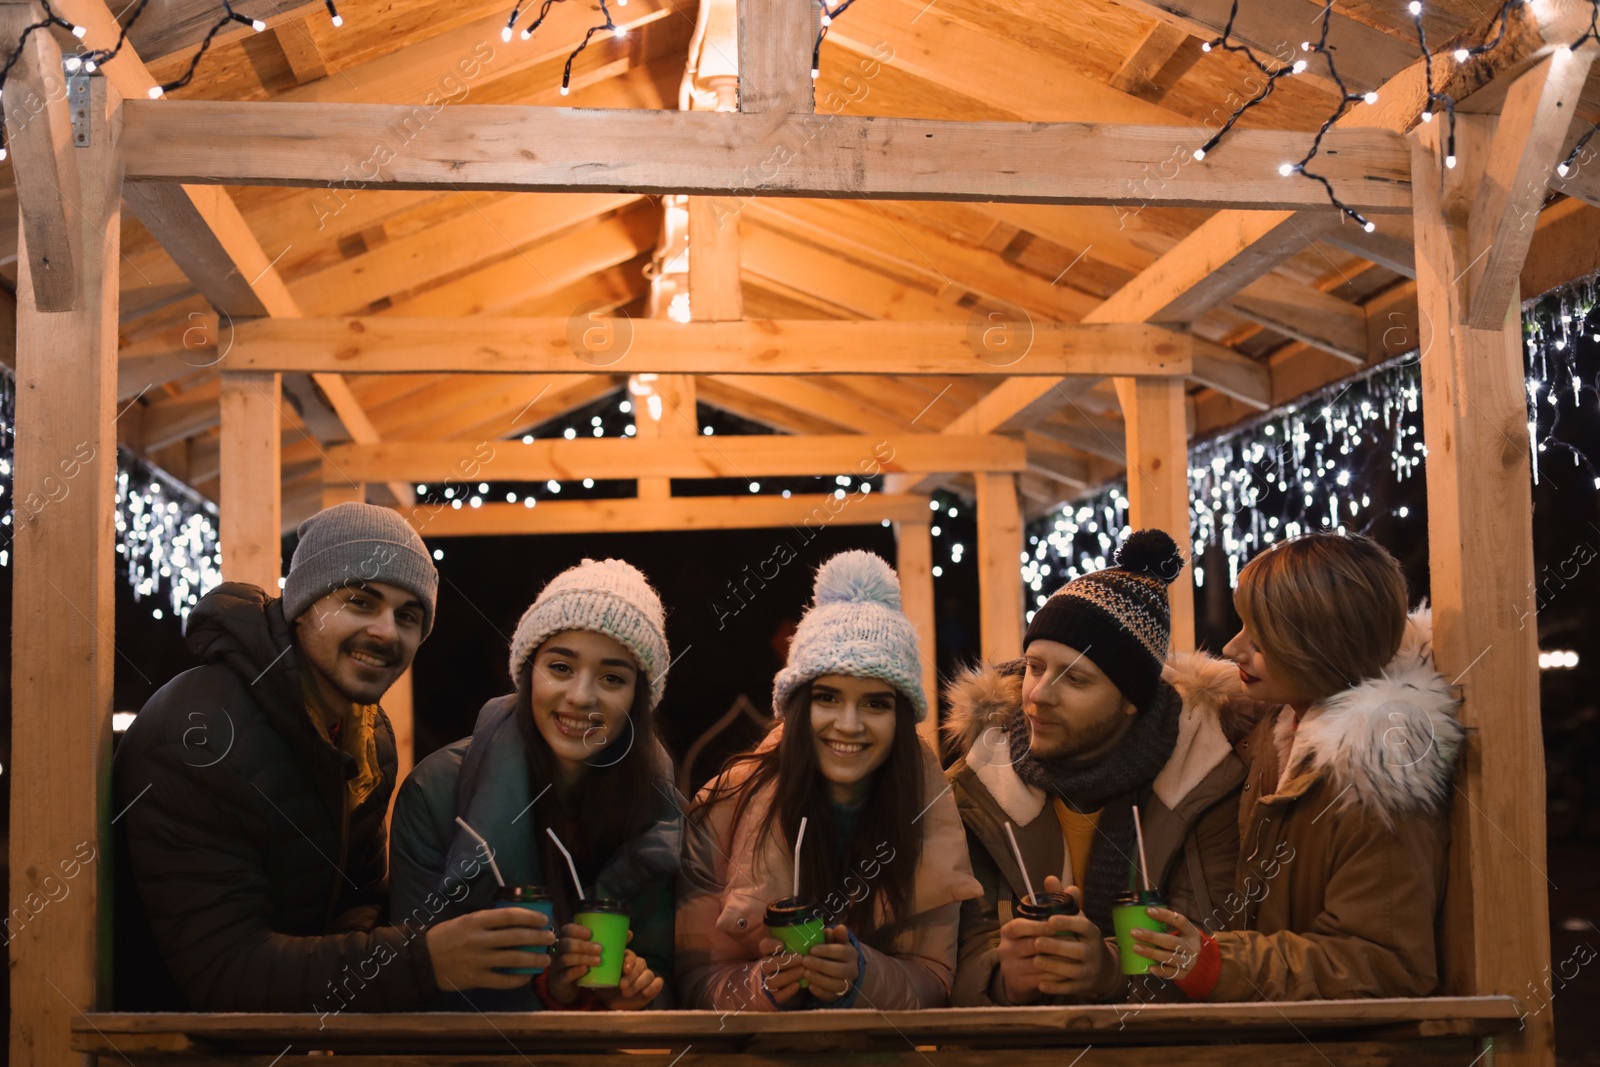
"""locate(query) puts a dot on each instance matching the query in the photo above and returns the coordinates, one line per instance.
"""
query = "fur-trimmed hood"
(1389, 744)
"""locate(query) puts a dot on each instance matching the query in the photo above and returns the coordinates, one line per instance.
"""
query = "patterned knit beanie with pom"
(1119, 618)
(855, 626)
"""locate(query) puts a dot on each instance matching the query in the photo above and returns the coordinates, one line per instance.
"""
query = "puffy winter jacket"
(246, 883)
(439, 871)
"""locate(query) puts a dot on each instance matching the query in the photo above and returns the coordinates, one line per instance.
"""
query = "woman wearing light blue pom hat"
(883, 858)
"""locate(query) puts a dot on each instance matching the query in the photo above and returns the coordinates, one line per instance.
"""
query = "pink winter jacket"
(727, 879)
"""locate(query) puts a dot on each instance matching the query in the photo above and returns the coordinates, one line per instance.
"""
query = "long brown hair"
(881, 860)
(613, 801)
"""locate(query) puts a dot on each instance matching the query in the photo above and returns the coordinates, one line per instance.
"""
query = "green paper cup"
(797, 923)
(1128, 914)
(1041, 906)
(533, 898)
(607, 923)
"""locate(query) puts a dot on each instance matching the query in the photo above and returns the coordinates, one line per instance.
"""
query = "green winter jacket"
(437, 870)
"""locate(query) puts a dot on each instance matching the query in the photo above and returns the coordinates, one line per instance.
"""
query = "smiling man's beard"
(1076, 738)
(362, 693)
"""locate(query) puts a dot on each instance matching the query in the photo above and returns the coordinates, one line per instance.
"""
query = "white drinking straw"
(799, 837)
(1023, 867)
(1144, 864)
(573, 867)
(487, 851)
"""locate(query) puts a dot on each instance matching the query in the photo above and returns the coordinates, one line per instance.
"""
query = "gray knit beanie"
(351, 543)
(607, 596)
(855, 626)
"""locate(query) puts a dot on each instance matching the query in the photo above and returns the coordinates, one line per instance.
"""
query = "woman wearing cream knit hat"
(573, 750)
(883, 861)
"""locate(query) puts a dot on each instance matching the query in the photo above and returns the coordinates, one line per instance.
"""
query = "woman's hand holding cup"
(640, 985)
(832, 968)
(574, 952)
(1174, 953)
(781, 970)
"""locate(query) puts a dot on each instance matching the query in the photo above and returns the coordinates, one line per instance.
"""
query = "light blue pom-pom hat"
(854, 626)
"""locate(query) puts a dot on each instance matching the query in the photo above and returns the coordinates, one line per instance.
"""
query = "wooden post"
(775, 41)
(914, 562)
(251, 492)
(1480, 559)
(1158, 480)
(63, 612)
(999, 567)
(397, 705)
(715, 293)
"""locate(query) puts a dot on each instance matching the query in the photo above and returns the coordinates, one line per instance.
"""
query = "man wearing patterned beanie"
(1062, 744)
(253, 790)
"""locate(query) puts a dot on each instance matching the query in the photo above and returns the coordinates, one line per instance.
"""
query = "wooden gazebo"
(978, 250)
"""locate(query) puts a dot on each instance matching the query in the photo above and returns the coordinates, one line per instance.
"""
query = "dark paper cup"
(533, 898)
(1041, 906)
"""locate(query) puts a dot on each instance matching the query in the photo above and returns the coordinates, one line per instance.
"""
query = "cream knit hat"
(607, 596)
(855, 626)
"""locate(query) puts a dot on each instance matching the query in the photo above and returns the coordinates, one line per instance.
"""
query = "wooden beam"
(382, 345)
(775, 43)
(1391, 245)
(63, 620)
(483, 146)
(168, 26)
(1306, 314)
(999, 567)
(299, 49)
(1163, 55)
(714, 260)
(1158, 482)
(1527, 146)
(250, 479)
(1481, 581)
(1368, 57)
(914, 563)
(816, 400)
(695, 457)
(757, 512)
(1245, 379)
(39, 131)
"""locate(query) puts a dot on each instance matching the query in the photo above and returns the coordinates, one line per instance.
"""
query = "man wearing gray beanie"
(253, 792)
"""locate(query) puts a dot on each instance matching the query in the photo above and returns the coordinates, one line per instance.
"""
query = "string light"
(829, 14)
(544, 13)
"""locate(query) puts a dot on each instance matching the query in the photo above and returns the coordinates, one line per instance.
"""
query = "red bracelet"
(1201, 981)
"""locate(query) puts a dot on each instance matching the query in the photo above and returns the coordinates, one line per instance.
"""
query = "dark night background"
(486, 583)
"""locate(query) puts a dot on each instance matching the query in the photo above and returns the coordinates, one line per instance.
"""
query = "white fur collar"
(990, 760)
(1388, 744)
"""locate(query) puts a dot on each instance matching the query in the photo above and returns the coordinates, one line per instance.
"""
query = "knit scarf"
(1110, 784)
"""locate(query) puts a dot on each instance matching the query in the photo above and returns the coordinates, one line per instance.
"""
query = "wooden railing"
(1414, 1033)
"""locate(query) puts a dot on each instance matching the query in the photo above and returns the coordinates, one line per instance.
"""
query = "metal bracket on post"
(78, 106)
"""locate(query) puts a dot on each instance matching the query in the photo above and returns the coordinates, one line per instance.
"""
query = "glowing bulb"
(1199, 153)
(1286, 169)
(1450, 161)
(814, 73)
(338, 20)
(1427, 116)
(1462, 55)
(156, 91)
(72, 63)
(526, 34)
(1370, 227)
(1562, 169)
(1564, 52)
(1206, 47)
(564, 90)
(80, 32)
(1415, 7)
(1371, 98)
(620, 31)
(2, 154)
(505, 34)
(827, 20)
(1299, 66)
(88, 65)
(258, 25)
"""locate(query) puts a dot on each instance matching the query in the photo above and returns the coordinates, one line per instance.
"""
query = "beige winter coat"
(1345, 824)
(1190, 817)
